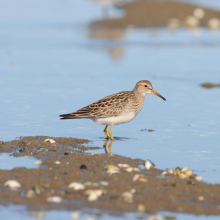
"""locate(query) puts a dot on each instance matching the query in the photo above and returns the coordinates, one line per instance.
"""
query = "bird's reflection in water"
(109, 146)
(108, 143)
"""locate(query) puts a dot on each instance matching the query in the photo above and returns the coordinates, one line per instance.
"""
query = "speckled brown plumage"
(115, 109)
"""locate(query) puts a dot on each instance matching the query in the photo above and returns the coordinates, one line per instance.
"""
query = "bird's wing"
(109, 106)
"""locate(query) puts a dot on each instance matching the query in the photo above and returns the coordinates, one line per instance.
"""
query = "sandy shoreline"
(62, 163)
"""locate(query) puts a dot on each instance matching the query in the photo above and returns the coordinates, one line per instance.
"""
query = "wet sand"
(62, 164)
(156, 13)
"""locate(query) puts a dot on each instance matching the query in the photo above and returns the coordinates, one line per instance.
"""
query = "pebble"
(57, 162)
(38, 162)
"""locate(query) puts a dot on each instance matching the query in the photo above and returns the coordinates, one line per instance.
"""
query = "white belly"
(115, 120)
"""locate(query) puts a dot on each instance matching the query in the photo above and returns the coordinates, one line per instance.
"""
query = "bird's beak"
(156, 93)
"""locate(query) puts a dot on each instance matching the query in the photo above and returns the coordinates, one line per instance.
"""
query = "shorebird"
(116, 109)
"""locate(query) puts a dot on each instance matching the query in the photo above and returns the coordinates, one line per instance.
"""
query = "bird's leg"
(104, 146)
(110, 147)
(110, 133)
(105, 131)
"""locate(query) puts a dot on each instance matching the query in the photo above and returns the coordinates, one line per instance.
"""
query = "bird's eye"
(145, 85)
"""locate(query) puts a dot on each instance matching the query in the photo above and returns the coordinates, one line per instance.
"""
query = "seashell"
(112, 171)
(139, 177)
(30, 193)
(192, 22)
(141, 208)
(199, 13)
(50, 140)
(184, 170)
(75, 215)
(164, 173)
(149, 165)
(76, 186)
(128, 196)
(121, 165)
(57, 162)
(110, 167)
(55, 199)
(183, 176)
(103, 183)
(155, 217)
(133, 191)
(129, 169)
(198, 178)
(189, 173)
(94, 194)
(177, 171)
(87, 183)
(201, 198)
(171, 171)
(173, 23)
(136, 169)
(214, 23)
(38, 215)
(13, 184)
(38, 162)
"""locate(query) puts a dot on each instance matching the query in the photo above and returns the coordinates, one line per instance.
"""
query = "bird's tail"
(69, 116)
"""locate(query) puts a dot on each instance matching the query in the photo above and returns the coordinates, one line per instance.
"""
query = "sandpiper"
(116, 109)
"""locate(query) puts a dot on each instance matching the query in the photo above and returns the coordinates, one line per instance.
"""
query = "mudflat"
(127, 188)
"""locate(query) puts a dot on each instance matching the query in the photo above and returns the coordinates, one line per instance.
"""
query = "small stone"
(55, 199)
(38, 162)
(66, 153)
(83, 166)
(57, 162)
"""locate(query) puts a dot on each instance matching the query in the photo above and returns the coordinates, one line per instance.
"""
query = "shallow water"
(20, 212)
(53, 64)
(8, 162)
